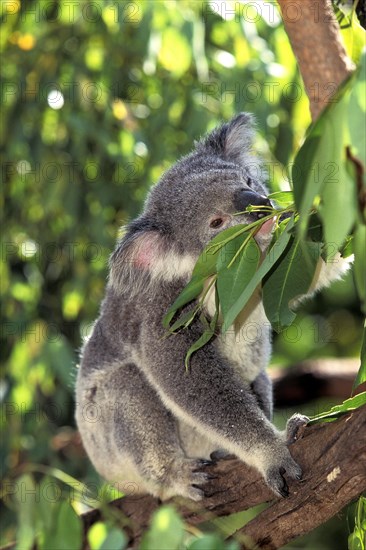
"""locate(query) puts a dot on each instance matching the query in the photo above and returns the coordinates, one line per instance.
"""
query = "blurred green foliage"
(99, 98)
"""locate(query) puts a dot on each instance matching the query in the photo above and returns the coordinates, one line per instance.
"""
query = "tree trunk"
(316, 41)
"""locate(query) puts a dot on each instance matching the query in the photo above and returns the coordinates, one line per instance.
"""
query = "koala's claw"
(275, 479)
(221, 454)
(187, 478)
(295, 427)
(277, 482)
(202, 462)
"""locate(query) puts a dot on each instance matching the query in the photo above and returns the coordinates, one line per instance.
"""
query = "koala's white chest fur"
(247, 343)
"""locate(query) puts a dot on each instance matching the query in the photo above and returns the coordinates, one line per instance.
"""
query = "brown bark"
(333, 458)
(316, 41)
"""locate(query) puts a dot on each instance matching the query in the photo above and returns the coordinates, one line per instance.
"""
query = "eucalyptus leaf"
(204, 268)
(353, 35)
(166, 531)
(361, 375)
(290, 279)
(272, 256)
(26, 497)
(208, 333)
(359, 244)
(232, 280)
(202, 341)
(49, 503)
(338, 410)
(284, 198)
(184, 320)
(68, 529)
(357, 114)
(115, 540)
(206, 263)
(210, 541)
(319, 171)
(338, 206)
(347, 249)
(189, 293)
(306, 181)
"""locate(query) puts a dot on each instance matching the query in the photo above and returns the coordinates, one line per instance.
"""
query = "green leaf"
(204, 268)
(355, 540)
(166, 531)
(189, 293)
(347, 249)
(320, 173)
(48, 505)
(290, 279)
(68, 530)
(272, 256)
(284, 198)
(232, 280)
(115, 540)
(357, 111)
(361, 375)
(305, 178)
(353, 35)
(184, 320)
(315, 229)
(360, 263)
(208, 333)
(102, 536)
(348, 405)
(206, 263)
(211, 542)
(202, 341)
(26, 497)
(338, 206)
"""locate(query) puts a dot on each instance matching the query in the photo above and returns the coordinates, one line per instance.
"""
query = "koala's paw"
(188, 477)
(295, 427)
(274, 475)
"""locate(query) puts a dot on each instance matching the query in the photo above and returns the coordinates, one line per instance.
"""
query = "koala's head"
(194, 200)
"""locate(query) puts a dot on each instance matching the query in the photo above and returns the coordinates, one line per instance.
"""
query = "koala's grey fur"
(146, 423)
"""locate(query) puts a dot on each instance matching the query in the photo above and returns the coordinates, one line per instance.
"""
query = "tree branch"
(333, 457)
(315, 38)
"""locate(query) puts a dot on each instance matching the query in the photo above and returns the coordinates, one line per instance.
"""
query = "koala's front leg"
(213, 399)
(262, 389)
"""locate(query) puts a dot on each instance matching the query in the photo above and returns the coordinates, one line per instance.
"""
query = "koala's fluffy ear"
(135, 255)
(231, 141)
(143, 255)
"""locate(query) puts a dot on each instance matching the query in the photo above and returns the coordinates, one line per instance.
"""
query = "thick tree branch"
(333, 457)
(316, 41)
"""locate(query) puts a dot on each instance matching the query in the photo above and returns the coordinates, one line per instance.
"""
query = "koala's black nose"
(244, 198)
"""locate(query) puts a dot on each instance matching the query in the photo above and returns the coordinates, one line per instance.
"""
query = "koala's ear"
(145, 254)
(231, 141)
(136, 253)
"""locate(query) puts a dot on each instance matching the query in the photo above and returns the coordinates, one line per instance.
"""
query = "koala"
(147, 424)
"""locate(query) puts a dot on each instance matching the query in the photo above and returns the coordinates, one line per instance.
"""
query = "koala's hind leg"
(145, 430)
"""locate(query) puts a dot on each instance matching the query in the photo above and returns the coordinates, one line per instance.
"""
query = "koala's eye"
(217, 222)
(249, 182)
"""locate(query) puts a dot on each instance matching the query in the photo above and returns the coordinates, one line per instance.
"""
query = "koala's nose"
(244, 198)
